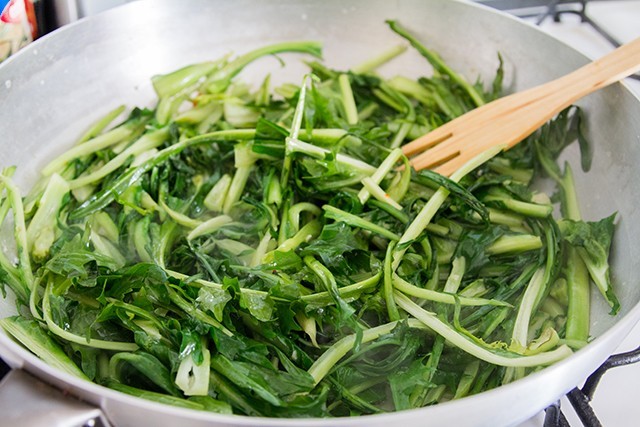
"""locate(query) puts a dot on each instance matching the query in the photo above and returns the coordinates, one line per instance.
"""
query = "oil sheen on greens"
(266, 250)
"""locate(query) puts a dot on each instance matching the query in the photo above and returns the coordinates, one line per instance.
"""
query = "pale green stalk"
(98, 143)
(297, 209)
(19, 232)
(379, 60)
(521, 327)
(524, 208)
(345, 291)
(464, 343)
(431, 295)
(32, 336)
(515, 243)
(348, 102)
(355, 221)
(296, 124)
(381, 172)
(295, 145)
(392, 309)
(455, 275)
(214, 200)
(378, 193)
(178, 217)
(308, 232)
(102, 123)
(146, 142)
(209, 226)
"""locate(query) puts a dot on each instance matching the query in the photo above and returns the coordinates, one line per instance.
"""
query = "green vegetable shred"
(268, 251)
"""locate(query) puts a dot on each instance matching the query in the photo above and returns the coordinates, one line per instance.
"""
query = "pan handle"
(27, 401)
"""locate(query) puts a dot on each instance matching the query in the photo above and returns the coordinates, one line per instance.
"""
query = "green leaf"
(32, 336)
(269, 139)
(270, 384)
(407, 382)
(334, 242)
(125, 366)
(214, 300)
(428, 177)
(473, 246)
(199, 403)
(132, 278)
(259, 305)
(79, 263)
(595, 240)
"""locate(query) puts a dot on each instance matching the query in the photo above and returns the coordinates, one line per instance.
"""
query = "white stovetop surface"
(615, 401)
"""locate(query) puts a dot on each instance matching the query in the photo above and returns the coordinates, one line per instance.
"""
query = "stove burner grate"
(540, 10)
(580, 398)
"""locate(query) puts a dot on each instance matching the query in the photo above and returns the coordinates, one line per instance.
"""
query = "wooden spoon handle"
(539, 104)
(602, 72)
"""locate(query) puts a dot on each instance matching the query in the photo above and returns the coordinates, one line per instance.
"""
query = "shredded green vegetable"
(268, 251)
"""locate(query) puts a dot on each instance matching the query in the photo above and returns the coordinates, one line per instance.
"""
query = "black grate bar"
(554, 9)
(580, 403)
(580, 398)
(614, 361)
(520, 4)
(585, 18)
(554, 417)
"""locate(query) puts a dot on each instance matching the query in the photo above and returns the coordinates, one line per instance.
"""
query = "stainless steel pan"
(53, 90)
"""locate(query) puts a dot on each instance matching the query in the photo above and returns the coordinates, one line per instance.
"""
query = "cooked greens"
(268, 251)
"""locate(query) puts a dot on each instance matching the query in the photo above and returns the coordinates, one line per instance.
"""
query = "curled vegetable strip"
(68, 336)
(382, 171)
(146, 142)
(521, 327)
(337, 351)
(427, 294)
(297, 209)
(100, 142)
(209, 226)
(463, 343)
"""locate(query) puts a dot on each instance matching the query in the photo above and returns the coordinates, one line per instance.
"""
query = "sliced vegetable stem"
(353, 220)
(348, 103)
(392, 309)
(515, 243)
(438, 63)
(381, 172)
(465, 344)
(384, 57)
